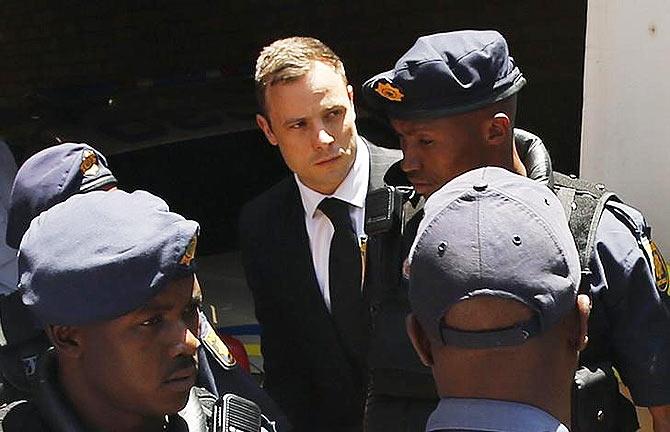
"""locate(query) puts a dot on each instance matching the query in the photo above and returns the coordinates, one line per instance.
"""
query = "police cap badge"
(89, 163)
(190, 251)
(388, 91)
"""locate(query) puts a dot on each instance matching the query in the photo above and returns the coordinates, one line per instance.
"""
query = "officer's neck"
(517, 165)
(503, 156)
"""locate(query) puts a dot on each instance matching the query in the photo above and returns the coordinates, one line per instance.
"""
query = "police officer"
(110, 278)
(502, 343)
(47, 178)
(452, 100)
(43, 180)
(402, 392)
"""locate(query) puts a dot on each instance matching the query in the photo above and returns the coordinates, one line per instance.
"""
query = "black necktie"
(346, 299)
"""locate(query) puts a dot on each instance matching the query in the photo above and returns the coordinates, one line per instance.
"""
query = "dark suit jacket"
(306, 369)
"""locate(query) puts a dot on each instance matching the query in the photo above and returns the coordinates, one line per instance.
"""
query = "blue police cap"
(446, 74)
(49, 177)
(493, 233)
(100, 255)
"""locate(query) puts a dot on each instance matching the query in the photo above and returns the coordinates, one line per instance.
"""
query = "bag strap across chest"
(583, 203)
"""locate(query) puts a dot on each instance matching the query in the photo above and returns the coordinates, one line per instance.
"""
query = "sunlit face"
(312, 119)
(145, 362)
(435, 151)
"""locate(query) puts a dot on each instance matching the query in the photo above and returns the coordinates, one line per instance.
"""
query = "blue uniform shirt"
(490, 415)
(629, 312)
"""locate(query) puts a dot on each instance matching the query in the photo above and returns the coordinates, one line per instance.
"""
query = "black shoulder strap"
(380, 160)
(583, 202)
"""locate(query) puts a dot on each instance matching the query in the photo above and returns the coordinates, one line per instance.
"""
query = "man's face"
(311, 119)
(144, 362)
(436, 151)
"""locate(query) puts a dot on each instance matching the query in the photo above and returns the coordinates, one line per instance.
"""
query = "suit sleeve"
(286, 377)
(636, 312)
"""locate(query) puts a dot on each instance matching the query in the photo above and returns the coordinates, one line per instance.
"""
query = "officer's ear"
(419, 340)
(498, 129)
(66, 339)
(583, 311)
(264, 124)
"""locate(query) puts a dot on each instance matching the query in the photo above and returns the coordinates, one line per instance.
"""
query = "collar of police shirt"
(491, 415)
(353, 190)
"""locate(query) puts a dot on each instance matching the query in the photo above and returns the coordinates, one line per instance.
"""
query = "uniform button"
(480, 187)
(441, 249)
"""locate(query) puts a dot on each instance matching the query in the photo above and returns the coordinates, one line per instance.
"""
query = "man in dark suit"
(303, 241)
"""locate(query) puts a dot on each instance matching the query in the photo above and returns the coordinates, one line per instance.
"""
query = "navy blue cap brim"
(394, 110)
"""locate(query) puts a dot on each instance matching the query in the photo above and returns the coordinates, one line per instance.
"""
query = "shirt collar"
(491, 415)
(353, 189)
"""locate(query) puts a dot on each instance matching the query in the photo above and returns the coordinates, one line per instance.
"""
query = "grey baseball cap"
(490, 232)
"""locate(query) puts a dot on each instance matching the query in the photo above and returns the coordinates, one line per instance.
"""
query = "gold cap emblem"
(89, 163)
(190, 251)
(388, 91)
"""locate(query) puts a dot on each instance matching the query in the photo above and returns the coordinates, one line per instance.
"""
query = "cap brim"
(402, 113)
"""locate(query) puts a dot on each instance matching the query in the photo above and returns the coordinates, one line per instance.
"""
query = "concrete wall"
(626, 121)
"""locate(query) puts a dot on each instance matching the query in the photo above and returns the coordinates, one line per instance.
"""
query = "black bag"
(597, 405)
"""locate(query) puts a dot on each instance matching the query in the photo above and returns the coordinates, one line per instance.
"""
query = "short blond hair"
(288, 59)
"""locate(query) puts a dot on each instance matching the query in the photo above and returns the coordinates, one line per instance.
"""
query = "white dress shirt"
(353, 190)
(8, 264)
